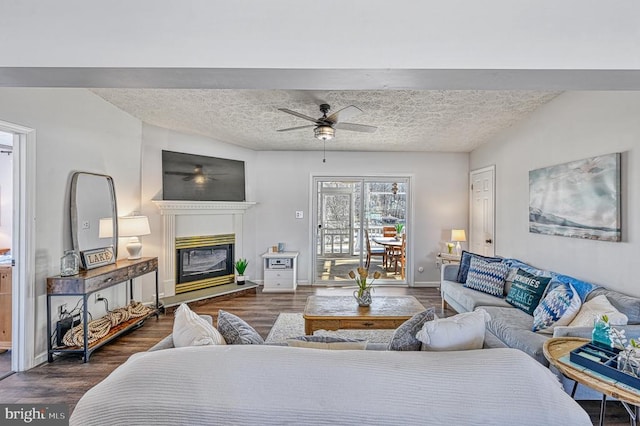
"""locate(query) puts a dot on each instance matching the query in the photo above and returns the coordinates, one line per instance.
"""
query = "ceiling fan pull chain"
(324, 151)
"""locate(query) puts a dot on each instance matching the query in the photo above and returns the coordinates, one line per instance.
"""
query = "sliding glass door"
(351, 215)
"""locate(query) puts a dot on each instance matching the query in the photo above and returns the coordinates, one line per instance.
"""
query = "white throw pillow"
(191, 330)
(459, 332)
(595, 308)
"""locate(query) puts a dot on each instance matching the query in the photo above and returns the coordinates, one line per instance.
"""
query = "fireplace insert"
(201, 263)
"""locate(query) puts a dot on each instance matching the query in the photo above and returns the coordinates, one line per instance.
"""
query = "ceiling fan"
(198, 176)
(325, 126)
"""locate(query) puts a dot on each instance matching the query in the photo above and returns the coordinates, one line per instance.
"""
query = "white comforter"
(272, 385)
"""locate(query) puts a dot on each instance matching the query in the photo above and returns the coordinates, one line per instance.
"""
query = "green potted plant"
(241, 266)
(399, 228)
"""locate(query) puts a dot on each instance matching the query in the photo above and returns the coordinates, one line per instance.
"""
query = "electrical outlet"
(98, 297)
(86, 224)
(299, 214)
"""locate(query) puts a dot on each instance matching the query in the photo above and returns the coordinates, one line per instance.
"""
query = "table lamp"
(133, 227)
(458, 235)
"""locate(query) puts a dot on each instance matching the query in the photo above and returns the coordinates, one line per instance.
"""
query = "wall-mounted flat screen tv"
(199, 178)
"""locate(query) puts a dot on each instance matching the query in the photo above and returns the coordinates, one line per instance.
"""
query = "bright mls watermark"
(34, 414)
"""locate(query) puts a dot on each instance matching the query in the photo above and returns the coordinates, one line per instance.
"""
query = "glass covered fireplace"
(203, 262)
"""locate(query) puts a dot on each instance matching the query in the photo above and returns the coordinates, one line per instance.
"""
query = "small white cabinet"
(280, 271)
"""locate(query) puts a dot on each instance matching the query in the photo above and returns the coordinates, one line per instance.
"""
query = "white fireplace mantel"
(202, 207)
(170, 209)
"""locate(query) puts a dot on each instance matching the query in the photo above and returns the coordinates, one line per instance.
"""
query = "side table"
(557, 349)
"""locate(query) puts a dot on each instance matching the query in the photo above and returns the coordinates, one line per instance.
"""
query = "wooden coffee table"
(343, 312)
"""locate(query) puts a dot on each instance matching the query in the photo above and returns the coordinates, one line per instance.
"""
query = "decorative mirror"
(94, 224)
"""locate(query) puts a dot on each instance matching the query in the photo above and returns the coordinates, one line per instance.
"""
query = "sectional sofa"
(512, 327)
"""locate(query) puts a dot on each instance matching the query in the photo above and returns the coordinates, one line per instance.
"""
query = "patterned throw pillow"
(236, 331)
(327, 342)
(189, 329)
(404, 337)
(559, 307)
(527, 290)
(465, 263)
(487, 277)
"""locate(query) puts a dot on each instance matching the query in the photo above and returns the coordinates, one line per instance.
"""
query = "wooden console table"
(88, 282)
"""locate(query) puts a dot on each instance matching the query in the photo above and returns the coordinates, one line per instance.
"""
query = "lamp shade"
(133, 226)
(458, 235)
(105, 228)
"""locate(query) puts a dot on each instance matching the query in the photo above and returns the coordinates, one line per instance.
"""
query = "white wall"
(284, 186)
(75, 131)
(6, 192)
(430, 34)
(573, 126)
(156, 139)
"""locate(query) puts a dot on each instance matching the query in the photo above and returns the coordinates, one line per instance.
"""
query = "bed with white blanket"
(275, 385)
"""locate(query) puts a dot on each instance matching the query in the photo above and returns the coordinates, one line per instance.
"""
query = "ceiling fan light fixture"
(324, 132)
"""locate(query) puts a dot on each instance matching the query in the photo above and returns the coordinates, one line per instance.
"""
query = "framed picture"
(97, 257)
(580, 199)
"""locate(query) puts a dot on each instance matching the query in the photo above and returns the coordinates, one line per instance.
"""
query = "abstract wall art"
(579, 199)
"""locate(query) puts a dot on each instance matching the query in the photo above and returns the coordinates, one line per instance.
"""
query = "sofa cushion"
(628, 305)
(327, 342)
(487, 277)
(236, 331)
(559, 307)
(513, 327)
(465, 263)
(189, 329)
(527, 290)
(404, 337)
(468, 298)
(460, 332)
(596, 307)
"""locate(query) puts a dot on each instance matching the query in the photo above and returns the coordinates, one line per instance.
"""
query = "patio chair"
(375, 251)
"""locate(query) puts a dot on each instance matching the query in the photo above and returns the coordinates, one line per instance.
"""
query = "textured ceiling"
(407, 120)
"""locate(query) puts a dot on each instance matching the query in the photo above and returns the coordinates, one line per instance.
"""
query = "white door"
(482, 220)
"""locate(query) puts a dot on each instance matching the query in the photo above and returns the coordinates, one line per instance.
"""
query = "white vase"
(240, 279)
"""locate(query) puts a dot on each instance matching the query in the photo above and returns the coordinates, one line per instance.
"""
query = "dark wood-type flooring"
(67, 378)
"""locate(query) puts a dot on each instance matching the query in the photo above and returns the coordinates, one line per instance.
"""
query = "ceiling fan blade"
(297, 114)
(344, 114)
(355, 127)
(178, 173)
(188, 178)
(297, 128)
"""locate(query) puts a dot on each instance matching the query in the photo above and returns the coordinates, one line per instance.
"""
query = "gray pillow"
(327, 342)
(404, 338)
(236, 331)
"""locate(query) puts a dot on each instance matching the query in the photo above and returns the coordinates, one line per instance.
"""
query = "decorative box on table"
(604, 361)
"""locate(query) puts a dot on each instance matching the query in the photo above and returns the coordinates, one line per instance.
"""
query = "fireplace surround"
(227, 215)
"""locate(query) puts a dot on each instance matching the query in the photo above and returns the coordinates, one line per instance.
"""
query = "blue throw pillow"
(559, 307)
(465, 263)
(487, 277)
(527, 290)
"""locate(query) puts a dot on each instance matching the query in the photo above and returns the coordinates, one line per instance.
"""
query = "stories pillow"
(487, 277)
(459, 332)
(236, 331)
(595, 308)
(559, 307)
(327, 342)
(527, 290)
(404, 337)
(465, 263)
(189, 329)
